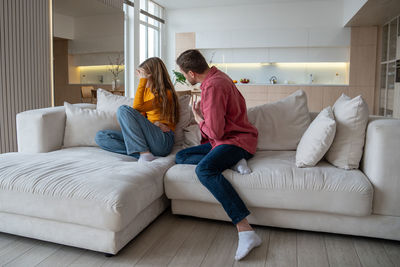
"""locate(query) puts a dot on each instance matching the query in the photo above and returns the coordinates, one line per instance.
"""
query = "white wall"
(63, 26)
(288, 24)
(98, 34)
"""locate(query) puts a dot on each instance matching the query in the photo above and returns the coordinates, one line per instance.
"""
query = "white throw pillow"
(281, 124)
(82, 124)
(317, 139)
(184, 118)
(351, 117)
(108, 102)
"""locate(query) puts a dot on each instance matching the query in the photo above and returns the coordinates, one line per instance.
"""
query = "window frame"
(158, 28)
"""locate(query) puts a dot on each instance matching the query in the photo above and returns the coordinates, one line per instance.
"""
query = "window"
(151, 22)
(143, 37)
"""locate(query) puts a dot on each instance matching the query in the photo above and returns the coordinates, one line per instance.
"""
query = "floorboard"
(311, 250)
(180, 241)
(168, 245)
(371, 252)
(341, 251)
(223, 247)
(282, 249)
(196, 245)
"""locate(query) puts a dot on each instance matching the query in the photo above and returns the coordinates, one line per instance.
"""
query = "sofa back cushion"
(351, 117)
(82, 124)
(109, 102)
(281, 124)
(184, 118)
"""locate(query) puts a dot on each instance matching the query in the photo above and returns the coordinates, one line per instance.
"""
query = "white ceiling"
(375, 12)
(178, 4)
(83, 8)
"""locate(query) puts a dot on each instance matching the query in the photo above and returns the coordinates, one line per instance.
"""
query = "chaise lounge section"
(79, 196)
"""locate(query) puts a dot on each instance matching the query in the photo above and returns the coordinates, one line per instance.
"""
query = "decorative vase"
(114, 84)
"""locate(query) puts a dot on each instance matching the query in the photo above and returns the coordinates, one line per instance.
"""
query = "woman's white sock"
(146, 157)
(247, 241)
(241, 167)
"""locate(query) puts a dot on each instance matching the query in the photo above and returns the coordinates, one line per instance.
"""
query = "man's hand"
(197, 110)
(162, 126)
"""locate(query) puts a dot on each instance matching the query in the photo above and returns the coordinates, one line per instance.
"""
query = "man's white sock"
(247, 241)
(241, 167)
(146, 157)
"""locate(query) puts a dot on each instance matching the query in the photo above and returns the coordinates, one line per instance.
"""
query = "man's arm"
(214, 103)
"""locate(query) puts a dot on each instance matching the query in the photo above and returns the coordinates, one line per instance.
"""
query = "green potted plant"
(179, 78)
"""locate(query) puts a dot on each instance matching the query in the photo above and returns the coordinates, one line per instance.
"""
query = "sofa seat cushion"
(82, 185)
(276, 182)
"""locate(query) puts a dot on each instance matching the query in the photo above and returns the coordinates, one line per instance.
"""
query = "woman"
(147, 129)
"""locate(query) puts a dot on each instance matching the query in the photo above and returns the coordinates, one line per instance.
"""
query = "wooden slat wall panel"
(24, 63)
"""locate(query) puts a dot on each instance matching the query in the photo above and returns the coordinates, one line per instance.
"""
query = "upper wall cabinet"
(241, 55)
(334, 37)
(284, 54)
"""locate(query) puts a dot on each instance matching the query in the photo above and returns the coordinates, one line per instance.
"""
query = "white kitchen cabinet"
(253, 55)
(216, 55)
(210, 39)
(285, 38)
(328, 54)
(281, 54)
(298, 54)
(335, 37)
(273, 38)
(249, 38)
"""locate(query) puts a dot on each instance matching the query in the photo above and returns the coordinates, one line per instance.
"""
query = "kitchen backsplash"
(289, 73)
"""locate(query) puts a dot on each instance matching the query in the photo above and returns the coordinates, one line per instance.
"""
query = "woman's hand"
(162, 126)
(198, 116)
(142, 74)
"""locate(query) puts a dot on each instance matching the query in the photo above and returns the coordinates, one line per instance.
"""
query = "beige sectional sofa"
(90, 198)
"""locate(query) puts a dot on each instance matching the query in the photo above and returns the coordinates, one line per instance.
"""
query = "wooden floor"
(185, 241)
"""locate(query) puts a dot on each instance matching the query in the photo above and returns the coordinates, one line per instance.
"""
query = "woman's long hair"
(161, 83)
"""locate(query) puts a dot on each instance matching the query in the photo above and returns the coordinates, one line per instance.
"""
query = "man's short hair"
(192, 60)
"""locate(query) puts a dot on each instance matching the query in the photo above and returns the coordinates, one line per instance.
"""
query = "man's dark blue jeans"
(211, 164)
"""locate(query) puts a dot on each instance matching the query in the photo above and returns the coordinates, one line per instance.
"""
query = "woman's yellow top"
(143, 102)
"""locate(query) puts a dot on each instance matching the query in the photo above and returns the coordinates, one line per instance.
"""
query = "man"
(228, 140)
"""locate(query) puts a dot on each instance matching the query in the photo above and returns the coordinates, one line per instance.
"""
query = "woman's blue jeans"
(211, 164)
(137, 135)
